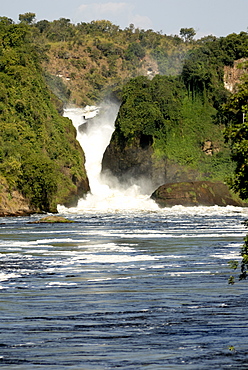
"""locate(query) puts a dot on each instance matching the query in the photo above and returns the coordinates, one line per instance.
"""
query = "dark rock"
(195, 193)
(133, 160)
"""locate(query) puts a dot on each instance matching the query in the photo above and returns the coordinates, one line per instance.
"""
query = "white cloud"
(141, 21)
(98, 11)
(119, 13)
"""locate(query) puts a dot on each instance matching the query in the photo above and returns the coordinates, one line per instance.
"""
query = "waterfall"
(95, 126)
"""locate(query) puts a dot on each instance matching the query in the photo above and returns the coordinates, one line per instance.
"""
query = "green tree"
(39, 182)
(236, 110)
(4, 21)
(43, 25)
(187, 33)
(244, 262)
(135, 50)
(28, 18)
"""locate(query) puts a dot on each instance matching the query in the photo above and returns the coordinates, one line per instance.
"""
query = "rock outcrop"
(195, 193)
(12, 203)
(53, 220)
(133, 160)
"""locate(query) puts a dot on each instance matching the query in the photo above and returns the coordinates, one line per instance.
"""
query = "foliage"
(148, 106)
(134, 50)
(233, 47)
(187, 33)
(186, 141)
(72, 51)
(58, 87)
(244, 262)
(178, 126)
(203, 68)
(39, 154)
(114, 54)
(236, 110)
(38, 181)
(28, 18)
(170, 62)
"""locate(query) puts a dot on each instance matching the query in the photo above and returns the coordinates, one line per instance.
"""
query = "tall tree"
(28, 18)
(237, 133)
(187, 33)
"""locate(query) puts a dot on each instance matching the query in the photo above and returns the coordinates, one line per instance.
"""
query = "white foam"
(149, 234)
(106, 194)
(59, 283)
(6, 276)
(182, 273)
(112, 201)
(93, 254)
(227, 256)
(112, 258)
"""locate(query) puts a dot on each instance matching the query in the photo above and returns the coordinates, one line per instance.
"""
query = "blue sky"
(207, 17)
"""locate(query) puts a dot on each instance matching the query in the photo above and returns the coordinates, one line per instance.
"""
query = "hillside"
(84, 62)
(40, 158)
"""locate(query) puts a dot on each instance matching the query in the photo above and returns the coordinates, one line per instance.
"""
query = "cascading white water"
(95, 126)
(93, 133)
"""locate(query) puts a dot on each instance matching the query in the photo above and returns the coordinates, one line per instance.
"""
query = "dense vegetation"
(39, 155)
(236, 110)
(181, 109)
(184, 113)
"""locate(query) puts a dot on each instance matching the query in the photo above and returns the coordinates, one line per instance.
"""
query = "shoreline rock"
(13, 203)
(195, 193)
(52, 220)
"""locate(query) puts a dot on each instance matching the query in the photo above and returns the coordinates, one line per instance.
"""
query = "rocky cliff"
(12, 202)
(134, 160)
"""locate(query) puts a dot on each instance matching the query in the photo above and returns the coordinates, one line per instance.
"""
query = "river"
(126, 286)
(129, 290)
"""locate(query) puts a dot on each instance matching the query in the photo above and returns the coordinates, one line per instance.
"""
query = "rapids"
(127, 290)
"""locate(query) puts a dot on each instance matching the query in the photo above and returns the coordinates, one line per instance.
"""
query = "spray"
(95, 126)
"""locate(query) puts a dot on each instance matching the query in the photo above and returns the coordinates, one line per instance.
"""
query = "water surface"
(123, 289)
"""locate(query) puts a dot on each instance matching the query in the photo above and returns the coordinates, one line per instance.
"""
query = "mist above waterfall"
(95, 126)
